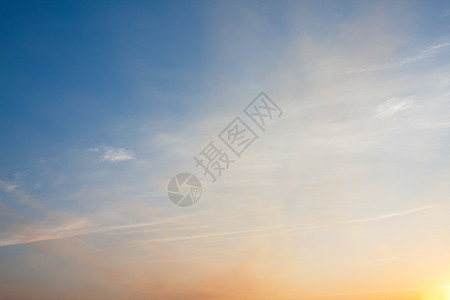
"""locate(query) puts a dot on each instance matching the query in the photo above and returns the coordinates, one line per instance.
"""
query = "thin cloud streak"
(392, 215)
(424, 54)
(78, 228)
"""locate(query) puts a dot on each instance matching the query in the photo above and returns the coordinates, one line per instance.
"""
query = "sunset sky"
(344, 196)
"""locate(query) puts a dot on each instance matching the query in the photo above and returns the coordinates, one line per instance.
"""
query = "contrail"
(391, 215)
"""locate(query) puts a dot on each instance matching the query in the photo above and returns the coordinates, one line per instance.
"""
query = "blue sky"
(101, 103)
(76, 69)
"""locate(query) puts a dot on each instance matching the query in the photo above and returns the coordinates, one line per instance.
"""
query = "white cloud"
(8, 187)
(395, 214)
(427, 52)
(114, 154)
(393, 106)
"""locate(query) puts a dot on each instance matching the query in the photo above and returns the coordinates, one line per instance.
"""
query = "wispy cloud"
(425, 53)
(68, 228)
(8, 187)
(421, 55)
(393, 106)
(114, 154)
(395, 214)
(344, 141)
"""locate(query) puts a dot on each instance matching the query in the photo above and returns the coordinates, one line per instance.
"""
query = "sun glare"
(447, 293)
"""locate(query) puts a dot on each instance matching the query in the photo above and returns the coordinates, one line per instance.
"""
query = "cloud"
(396, 214)
(65, 227)
(114, 154)
(393, 106)
(314, 166)
(425, 53)
(8, 187)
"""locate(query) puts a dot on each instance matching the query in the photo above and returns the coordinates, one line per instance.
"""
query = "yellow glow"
(437, 293)
(447, 292)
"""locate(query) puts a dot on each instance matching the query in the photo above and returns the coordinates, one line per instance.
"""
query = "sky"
(344, 194)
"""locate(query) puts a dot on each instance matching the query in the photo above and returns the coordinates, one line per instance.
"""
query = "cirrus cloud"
(114, 154)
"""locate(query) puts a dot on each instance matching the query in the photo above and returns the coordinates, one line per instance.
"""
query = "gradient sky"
(345, 196)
